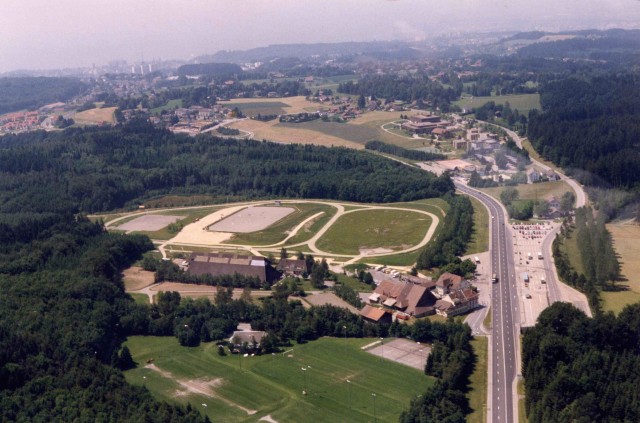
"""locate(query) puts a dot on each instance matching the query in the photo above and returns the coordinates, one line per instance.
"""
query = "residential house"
(375, 314)
(293, 267)
(457, 302)
(408, 298)
(250, 339)
(533, 176)
(446, 283)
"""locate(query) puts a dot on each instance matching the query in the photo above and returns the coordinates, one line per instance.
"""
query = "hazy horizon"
(40, 35)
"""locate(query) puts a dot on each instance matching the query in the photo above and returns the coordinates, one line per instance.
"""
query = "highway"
(503, 359)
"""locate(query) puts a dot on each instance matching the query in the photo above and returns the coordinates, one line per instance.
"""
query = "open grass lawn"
(437, 206)
(526, 144)
(478, 390)
(522, 102)
(532, 191)
(171, 104)
(626, 242)
(140, 298)
(95, 116)
(480, 237)
(390, 229)
(279, 230)
(273, 384)
(570, 248)
(355, 133)
(403, 259)
(263, 107)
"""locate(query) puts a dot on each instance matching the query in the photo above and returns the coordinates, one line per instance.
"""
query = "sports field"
(246, 389)
(377, 231)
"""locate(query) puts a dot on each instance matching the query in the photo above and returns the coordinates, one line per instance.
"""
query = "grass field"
(140, 298)
(273, 385)
(95, 116)
(356, 133)
(171, 104)
(278, 231)
(261, 107)
(626, 242)
(534, 191)
(390, 229)
(480, 237)
(478, 390)
(522, 102)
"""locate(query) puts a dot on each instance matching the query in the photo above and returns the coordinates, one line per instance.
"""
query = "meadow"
(522, 102)
(626, 242)
(537, 191)
(370, 229)
(339, 381)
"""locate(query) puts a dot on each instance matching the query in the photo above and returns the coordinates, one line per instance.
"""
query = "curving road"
(503, 357)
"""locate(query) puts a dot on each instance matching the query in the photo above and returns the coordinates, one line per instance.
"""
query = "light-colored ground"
(204, 387)
(403, 351)
(149, 222)
(95, 116)
(626, 242)
(197, 233)
(190, 290)
(136, 278)
(329, 298)
(251, 219)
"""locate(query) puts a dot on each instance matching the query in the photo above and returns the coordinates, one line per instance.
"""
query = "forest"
(92, 170)
(592, 124)
(579, 369)
(408, 89)
(17, 93)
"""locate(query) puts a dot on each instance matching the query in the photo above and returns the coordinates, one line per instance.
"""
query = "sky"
(50, 34)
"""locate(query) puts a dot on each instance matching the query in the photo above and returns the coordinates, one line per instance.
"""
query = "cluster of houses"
(24, 121)
(411, 296)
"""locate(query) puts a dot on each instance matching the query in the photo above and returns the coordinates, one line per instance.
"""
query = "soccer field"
(239, 389)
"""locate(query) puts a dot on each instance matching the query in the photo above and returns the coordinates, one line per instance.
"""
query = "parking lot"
(529, 264)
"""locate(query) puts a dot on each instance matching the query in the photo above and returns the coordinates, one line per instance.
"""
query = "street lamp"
(375, 419)
(381, 348)
(349, 382)
(304, 388)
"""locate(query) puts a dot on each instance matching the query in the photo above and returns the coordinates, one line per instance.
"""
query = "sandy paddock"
(149, 222)
(251, 219)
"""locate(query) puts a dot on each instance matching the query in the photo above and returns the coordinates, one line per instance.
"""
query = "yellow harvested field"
(626, 242)
(269, 131)
(298, 104)
(95, 116)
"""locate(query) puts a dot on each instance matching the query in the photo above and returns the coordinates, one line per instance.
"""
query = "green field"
(626, 242)
(355, 133)
(278, 231)
(273, 384)
(261, 107)
(140, 298)
(478, 390)
(395, 230)
(522, 102)
(480, 237)
(171, 104)
(538, 191)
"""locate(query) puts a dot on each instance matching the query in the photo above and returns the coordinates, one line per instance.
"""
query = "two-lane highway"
(504, 357)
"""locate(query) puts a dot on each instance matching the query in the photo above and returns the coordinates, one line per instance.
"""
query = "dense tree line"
(580, 369)
(451, 361)
(402, 152)
(416, 88)
(104, 169)
(451, 241)
(218, 70)
(60, 311)
(591, 124)
(17, 93)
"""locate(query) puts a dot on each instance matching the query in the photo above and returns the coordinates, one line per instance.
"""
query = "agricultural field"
(379, 230)
(255, 108)
(626, 242)
(171, 104)
(95, 116)
(351, 132)
(522, 102)
(280, 230)
(233, 388)
(538, 191)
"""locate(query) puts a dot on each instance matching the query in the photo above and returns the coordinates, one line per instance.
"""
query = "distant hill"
(17, 93)
(210, 69)
(302, 51)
